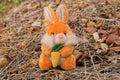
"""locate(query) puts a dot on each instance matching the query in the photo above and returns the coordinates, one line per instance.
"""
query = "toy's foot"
(69, 63)
(44, 62)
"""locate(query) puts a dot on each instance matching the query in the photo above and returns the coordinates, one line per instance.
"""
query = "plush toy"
(58, 42)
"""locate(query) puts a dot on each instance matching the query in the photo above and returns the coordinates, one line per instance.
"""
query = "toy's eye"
(65, 32)
(52, 33)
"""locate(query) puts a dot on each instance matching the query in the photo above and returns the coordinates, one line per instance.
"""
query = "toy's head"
(58, 31)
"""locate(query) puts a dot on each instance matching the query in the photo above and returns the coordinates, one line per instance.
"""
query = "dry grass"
(23, 42)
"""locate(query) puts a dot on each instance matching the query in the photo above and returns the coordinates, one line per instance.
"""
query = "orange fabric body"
(66, 52)
(44, 62)
(57, 24)
(58, 27)
(69, 63)
(46, 50)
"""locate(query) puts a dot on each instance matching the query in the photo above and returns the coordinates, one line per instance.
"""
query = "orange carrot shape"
(55, 54)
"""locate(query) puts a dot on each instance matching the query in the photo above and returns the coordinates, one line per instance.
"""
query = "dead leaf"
(91, 24)
(111, 45)
(111, 38)
(115, 48)
(90, 29)
(104, 46)
(114, 31)
(77, 54)
(99, 23)
(100, 31)
(103, 38)
(117, 42)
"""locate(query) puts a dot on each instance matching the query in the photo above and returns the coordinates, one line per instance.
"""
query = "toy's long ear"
(62, 13)
(49, 15)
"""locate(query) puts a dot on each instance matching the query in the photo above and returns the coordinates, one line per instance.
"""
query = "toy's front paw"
(69, 63)
(46, 50)
(66, 51)
(44, 62)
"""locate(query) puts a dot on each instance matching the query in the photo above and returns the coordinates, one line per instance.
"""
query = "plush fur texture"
(48, 40)
(44, 62)
(69, 63)
(58, 28)
(51, 40)
(59, 40)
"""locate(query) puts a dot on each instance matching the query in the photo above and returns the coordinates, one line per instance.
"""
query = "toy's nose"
(60, 37)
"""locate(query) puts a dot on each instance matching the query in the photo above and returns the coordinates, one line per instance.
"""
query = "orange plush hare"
(58, 42)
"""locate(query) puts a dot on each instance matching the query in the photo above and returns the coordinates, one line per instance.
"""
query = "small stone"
(3, 61)
(96, 36)
(19, 29)
(4, 52)
(118, 14)
(75, 5)
(83, 21)
(36, 24)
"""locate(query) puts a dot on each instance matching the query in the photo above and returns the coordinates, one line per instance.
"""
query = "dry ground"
(22, 27)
